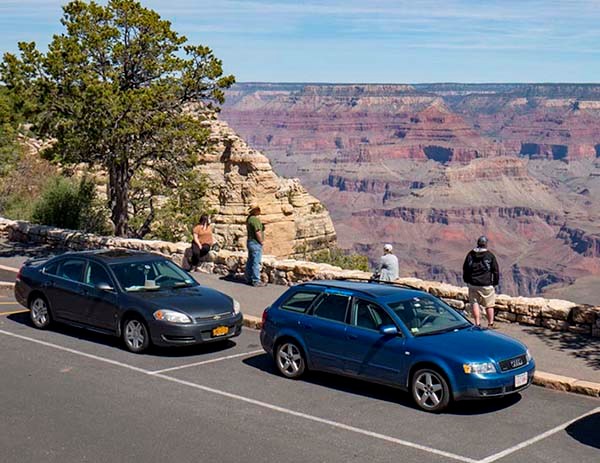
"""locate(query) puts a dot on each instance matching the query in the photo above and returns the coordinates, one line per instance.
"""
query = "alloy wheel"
(290, 360)
(39, 313)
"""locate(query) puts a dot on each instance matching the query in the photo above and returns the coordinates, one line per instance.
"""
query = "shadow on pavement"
(264, 362)
(580, 346)
(586, 430)
(112, 341)
(235, 278)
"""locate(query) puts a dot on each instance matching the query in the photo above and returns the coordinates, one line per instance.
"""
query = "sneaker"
(492, 326)
(259, 284)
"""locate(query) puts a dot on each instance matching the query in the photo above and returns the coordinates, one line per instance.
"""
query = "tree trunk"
(119, 196)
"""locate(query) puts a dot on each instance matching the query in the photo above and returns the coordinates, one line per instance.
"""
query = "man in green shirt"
(256, 236)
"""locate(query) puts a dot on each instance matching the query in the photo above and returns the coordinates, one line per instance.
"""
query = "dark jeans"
(198, 252)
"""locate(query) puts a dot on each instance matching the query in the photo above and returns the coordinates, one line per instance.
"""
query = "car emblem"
(216, 317)
(516, 363)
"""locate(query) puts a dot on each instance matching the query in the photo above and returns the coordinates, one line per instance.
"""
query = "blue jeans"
(253, 263)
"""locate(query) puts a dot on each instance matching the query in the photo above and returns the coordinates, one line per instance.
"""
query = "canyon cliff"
(429, 167)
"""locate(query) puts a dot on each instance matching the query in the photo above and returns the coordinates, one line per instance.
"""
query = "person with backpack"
(481, 274)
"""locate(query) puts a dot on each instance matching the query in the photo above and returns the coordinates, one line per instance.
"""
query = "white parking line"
(204, 362)
(537, 438)
(287, 411)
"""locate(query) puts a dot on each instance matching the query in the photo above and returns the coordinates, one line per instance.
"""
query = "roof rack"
(374, 280)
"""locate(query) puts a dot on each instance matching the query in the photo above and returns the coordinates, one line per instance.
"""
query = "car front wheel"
(135, 335)
(40, 313)
(290, 360)
(430, 390)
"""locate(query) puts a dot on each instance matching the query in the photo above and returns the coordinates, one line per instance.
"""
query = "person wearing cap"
(388, 265)
(256, 237)
(481, 274)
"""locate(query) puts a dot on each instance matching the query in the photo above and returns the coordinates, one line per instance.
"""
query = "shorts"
(485, 296)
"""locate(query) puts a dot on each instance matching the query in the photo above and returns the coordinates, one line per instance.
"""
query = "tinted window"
(369, 315)
(299, 302)
(51, 269)
(71, 269)
(332, 307)
(95, 274)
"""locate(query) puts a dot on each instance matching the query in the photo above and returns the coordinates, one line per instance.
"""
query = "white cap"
(387, 247)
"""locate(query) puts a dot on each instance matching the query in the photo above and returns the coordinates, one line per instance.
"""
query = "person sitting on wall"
(388, 265)
(202, 240)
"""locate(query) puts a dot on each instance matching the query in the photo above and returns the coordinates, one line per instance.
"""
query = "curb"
(9, 269)
(540, 378)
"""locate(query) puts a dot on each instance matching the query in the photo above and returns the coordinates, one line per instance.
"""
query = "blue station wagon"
(392, 335)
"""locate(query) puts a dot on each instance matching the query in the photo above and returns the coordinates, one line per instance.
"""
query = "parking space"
(231, 394)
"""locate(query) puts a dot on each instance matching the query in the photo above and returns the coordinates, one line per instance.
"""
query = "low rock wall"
(555, 314)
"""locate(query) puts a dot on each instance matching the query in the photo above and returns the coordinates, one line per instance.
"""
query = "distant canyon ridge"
(430, 167)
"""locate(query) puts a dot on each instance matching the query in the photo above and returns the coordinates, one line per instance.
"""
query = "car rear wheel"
(40, 313)
(135, 335)
(430, 390)
(290, 360)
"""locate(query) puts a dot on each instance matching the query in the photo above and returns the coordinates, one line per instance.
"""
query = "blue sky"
(392, 41)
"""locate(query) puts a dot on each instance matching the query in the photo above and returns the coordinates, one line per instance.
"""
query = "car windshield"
(425, 315)
(151, 276)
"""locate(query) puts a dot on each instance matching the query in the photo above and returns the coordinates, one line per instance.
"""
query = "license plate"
(223, 330)
(521, 379)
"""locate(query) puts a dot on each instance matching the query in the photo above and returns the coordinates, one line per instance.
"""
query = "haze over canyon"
(429, 167)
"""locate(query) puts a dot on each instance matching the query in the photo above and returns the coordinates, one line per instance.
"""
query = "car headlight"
(479, 368)
(236, 306)
(528, 356)
(166, 315)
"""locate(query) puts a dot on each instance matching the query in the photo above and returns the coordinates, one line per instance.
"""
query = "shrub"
(341, 258)
(69, 204)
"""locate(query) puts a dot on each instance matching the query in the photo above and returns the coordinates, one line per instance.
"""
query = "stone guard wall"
(555, 314)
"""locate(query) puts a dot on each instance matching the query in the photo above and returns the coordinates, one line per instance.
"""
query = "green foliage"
(341, 258)
(69, 204)
(9, 147)
(116, 90)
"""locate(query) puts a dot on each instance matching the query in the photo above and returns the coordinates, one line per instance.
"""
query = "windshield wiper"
(445, 330)
(182, 284)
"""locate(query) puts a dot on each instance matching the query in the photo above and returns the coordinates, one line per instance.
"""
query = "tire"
(39, 312)
(290, 359)
(136, 336)
(430, 390)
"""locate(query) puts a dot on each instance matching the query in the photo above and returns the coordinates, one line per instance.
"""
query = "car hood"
(471, 345)
(197, 301)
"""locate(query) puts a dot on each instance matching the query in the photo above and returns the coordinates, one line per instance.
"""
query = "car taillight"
(264, 315)
(19, 274)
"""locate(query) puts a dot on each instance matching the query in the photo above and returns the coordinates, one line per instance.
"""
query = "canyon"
(430, 167)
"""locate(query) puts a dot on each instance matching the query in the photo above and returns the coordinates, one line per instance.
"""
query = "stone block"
(587, 388)
(506, 316)
(596, 332)
(460, 305)
(586, 314)
(529, 320)
(555, 325)
(551, 381)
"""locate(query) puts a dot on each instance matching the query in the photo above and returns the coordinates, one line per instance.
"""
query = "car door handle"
(352, 336)
(305, 325)
(47, 284)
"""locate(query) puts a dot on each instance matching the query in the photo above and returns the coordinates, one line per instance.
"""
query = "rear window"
(299, 301)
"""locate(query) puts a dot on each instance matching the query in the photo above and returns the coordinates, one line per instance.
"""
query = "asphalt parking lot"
(72, 395)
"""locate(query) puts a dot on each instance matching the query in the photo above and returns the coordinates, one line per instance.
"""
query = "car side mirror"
(388, 330)
(104, 287)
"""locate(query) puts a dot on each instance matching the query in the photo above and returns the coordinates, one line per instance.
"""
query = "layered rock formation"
(296, 223)
(430, 167)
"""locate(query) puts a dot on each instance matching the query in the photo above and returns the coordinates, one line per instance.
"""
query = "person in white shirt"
(388, 265)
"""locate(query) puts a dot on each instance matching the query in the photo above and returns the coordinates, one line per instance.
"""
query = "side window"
(299, 301)
(332, 307)
(369, 315)
(71, 269)
(95, 274)
(51, 269)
